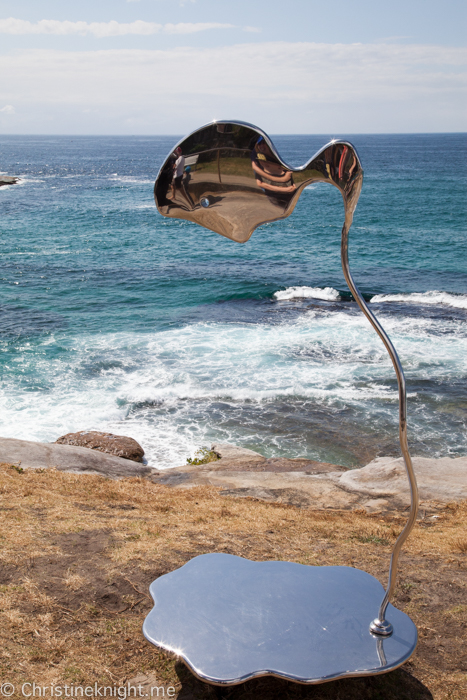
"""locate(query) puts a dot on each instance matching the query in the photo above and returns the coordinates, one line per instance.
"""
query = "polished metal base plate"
(231, 619)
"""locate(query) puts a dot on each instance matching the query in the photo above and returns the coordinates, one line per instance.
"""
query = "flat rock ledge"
(380, 486)
(68, 458)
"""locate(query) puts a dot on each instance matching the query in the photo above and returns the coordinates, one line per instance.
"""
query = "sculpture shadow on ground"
(397, 685)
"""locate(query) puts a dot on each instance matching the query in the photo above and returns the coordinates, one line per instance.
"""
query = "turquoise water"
(114, 318)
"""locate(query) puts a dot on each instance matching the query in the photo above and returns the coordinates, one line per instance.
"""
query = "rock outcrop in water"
(8, 180)
(117, 445)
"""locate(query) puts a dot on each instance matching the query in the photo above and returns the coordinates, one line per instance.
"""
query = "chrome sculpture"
(230, 619)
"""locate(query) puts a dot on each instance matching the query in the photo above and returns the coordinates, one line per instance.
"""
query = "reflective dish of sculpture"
(231, 619)
(233, 180)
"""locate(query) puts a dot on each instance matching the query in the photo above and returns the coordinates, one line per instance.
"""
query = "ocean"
(116, 319)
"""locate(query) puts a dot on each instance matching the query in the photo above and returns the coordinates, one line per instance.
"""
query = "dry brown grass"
(79, 551)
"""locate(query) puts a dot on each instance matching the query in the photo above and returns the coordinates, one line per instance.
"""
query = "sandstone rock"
(67, 458)
(380, 486)
(232, 452)
(240, 459)
(117, 445)
(294, 488)
(441, 480)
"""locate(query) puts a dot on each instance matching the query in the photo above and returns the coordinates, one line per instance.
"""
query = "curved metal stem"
(380, 625)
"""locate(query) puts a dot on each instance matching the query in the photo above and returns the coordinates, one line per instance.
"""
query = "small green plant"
(370, 539)
(72, 673)
(456, 610)
(407, 586)
(17, 468)
(93, 611)
(202, 456)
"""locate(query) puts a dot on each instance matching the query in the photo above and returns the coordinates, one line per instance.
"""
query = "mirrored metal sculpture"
(231, 619)
(228, 618)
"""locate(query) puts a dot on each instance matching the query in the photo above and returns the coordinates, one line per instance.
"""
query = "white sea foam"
(128, 179)
(326, 293)
(458, 301)
(21, 182)
(178, 389)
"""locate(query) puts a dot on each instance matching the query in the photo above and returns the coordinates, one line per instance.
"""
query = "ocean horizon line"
(272, 133)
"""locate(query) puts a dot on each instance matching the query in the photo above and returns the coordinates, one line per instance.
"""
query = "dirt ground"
(78, 553)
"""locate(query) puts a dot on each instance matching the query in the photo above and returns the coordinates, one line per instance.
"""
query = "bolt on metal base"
(381, 627)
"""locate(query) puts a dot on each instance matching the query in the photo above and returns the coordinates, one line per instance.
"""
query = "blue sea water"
(114, 318)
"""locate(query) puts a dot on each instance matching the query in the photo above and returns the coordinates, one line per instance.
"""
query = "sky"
(169, 66)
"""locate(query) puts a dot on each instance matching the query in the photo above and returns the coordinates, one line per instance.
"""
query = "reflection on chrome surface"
(231, 619)
(228, 177)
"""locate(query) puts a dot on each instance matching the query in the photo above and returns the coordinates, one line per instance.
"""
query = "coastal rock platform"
(378, 487)
(68, 458)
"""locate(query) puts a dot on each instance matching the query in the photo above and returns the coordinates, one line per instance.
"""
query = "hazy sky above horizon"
(169, 66)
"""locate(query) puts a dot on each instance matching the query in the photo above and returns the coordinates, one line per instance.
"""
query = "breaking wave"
(458, 301)
(326, 293)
